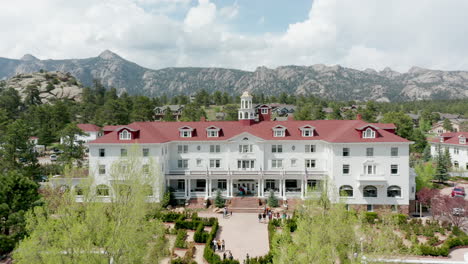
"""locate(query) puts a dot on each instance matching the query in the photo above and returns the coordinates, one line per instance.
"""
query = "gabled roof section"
(213, 128)
(126, 128)
(88, 127)
(306, 127)
(452, 138)
(186, 128)
(368, 125)
(279, 127)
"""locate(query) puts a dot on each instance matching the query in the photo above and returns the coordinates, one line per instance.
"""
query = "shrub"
(200, 236)
(180, 239)
(370, 217)
(168, 198)
(400, 219)
(272, 200)
(192, 225)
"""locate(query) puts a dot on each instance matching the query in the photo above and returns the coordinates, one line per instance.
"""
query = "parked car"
(458, 192)
(53, 157)
(458, 212)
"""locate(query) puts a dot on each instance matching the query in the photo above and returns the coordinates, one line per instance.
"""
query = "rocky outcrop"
(49, 85)
(333, 82)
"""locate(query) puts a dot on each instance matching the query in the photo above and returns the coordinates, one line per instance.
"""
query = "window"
(346, 191)
(310, 163)
(394, 152)
(345, 168)
(277, 164)
(291, 184)
(455, 151)
(394, 208)
(145, 168)
(125, 135)
(368, 133)
(394, 191)
(215, 148)
(102, 169)
(145, 152)
(102, 152)
(370, 208)
(293, 162)
(264, 110)
(269, 184)
(182, 164)
(369, 152)
(185, 133)
(369, 169)
(245, 164)
(456, 164)
(215, 163)
(462, 140)
(276, 148)
(180, 184)
(309, 148)
(245, 148)
(278, 132)
(213, 132)
(370, 191)
(199, 162)
(182, 148)
(123, 153)
(315, 185)
(346, 152)
(394, 169)
(307, 132)
(222, 184)
(102, 190)
(200, 184)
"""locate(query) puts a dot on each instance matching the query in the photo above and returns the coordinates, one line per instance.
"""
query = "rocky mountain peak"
(109, 55)
(416, 69)
(29, 57)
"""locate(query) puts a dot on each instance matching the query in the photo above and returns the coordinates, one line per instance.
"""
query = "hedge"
(200, 235)
(370, 217)
(180, 239)
(192, 225)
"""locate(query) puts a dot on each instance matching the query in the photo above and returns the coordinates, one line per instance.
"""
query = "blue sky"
(242, 34)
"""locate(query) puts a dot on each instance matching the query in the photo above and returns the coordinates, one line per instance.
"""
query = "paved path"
(242, 234)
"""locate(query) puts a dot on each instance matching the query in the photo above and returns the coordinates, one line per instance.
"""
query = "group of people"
(267, 213)
(218, 245)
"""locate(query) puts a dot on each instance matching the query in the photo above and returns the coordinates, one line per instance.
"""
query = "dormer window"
(186, 132)
(125, 135)
(264, 110)
(307, 131)
(368, 133)
(279, 131)
(212, 132)
(441, 139)
(462, 140)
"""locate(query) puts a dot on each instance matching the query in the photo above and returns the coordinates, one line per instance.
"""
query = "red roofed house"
(457, 145)
(366, 165)
(91, 132)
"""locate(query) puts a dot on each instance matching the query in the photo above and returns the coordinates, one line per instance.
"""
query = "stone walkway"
(242, 234)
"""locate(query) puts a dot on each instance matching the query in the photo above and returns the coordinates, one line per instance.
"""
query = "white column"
(281, 187)
(284, 189)
(186, 188)
(302, 188)
(189, 187)
(206, 188)
(259, 186)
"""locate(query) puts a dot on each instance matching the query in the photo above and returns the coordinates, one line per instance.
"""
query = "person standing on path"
(259, 218)
(219, 244)
(224, 256)
(223, 245)
(214, 244)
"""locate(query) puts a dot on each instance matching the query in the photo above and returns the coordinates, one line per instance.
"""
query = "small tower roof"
(245, 94)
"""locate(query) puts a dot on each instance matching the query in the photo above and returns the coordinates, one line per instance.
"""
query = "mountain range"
(332, 82)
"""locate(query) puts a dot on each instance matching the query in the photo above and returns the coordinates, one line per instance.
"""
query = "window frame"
(215, 148)
(394, 169)
(346, 169)
(215, 163)
(310, 163)
(125, 135)
(346, 152)
(393, 188)
(182, 149)
(310, 148)
(368, 133)
(277, 148)
(145, 152)
(182, 163)
(370, 152)
(367, 191)
(394, 152)
(123, 152)
(102, 152)
(102, 169)
(346, 189)
(276, 163)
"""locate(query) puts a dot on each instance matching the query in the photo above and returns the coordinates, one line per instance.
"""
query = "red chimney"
(202, 119)
(358, 117)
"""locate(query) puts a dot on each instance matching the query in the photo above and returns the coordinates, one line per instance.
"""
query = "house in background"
(438, 128)
(160, 111)
(91, 132)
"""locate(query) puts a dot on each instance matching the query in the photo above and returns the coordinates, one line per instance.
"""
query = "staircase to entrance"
(245, 205)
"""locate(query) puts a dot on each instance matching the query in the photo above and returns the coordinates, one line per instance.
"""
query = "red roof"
(345, 131)
(88, 127)
(111, 128)
(450, 138)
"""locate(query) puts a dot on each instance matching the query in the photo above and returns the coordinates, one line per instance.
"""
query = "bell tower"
(246, 111)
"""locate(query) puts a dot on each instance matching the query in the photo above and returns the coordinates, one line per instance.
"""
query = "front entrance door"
(245, 187)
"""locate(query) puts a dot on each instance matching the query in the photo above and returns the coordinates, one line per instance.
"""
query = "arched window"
(346, 191)
(393, 191)
(246, 115)
(368, 133)
(102, 190)
(125, 135)
(370, 191)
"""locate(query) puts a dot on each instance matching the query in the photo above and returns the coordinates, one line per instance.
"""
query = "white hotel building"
(456, 143)
(254, 155)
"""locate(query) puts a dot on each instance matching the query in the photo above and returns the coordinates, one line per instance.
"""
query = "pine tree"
(272, 200)
(427, 153)
(441, 174)
(219, 201)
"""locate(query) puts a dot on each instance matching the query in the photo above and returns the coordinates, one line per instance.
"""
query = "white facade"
(372, 173)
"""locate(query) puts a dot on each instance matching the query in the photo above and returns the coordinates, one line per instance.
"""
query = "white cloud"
(368, 33)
